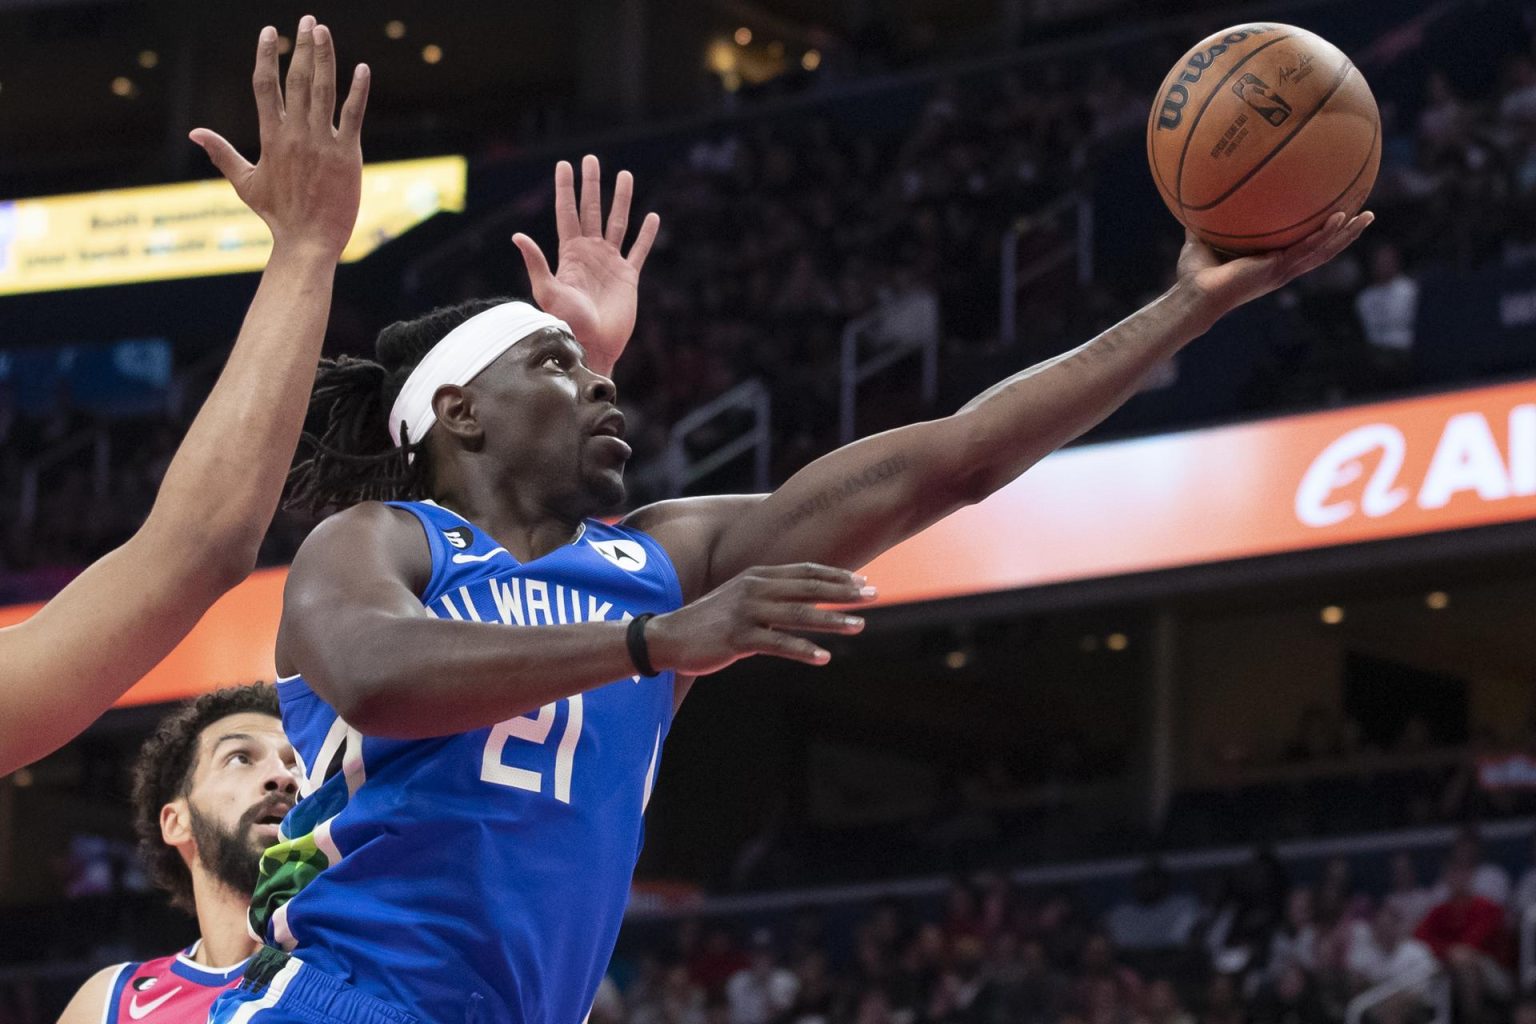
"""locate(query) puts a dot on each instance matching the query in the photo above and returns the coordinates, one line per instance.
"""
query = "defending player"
(208, 790)
(218, 496)
(470, 858)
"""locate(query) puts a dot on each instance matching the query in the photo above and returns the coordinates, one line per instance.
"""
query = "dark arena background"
(1191, 724)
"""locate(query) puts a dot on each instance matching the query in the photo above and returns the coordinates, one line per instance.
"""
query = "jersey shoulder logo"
(626, 554)
(459, 536)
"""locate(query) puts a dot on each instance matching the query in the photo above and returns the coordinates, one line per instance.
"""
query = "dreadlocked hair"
(352, 459)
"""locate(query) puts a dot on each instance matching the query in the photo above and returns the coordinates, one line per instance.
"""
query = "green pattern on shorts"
(286, 868)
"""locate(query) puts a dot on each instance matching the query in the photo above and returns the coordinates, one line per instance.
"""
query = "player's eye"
(560, 360)
(239, 757)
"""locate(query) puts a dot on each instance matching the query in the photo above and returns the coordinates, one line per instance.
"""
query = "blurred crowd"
(1246, 944)
(888, 209)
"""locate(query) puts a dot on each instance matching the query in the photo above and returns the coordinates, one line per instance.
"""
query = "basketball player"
(141, 599)
(208, 790)
(473, 806)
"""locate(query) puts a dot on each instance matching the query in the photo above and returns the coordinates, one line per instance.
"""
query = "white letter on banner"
(1339, 465)
(1467, 459)
(1522, 449)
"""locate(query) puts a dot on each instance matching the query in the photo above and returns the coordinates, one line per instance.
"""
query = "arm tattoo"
(868, 477)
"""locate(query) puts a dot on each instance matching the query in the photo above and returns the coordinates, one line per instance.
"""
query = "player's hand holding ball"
(1223, 286)
(758, 612)
(308, 181)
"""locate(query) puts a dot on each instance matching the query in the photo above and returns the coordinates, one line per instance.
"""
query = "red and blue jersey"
(174, 989)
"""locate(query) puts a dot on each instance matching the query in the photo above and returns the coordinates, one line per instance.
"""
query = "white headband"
(459, 357)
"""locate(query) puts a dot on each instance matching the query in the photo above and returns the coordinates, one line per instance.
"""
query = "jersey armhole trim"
(435, 550)
(115, 992)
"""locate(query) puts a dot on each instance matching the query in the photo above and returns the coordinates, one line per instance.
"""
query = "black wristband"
(639, 653)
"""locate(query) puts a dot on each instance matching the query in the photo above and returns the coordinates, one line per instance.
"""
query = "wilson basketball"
(1259, 133)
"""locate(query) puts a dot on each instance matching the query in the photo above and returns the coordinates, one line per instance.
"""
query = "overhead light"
(395, 29)
(957, 659)
(1437, 599)
(1117, 641)
(431, 53)
(148, 59)
(812, 60)
(1088, 644)
(123, 86)
(284, 44)
(1332, 615)
(22, 777)
(743, 36)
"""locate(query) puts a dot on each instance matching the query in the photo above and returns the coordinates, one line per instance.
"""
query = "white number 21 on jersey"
(534, 728)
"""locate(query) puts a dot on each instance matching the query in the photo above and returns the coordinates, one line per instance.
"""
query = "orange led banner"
(1421, 465)
(1372, 472)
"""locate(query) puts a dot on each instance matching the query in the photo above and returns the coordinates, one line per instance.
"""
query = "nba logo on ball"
(1256, 94)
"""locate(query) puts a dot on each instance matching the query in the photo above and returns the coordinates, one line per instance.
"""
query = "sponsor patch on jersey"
(626, 554)
(459, 536)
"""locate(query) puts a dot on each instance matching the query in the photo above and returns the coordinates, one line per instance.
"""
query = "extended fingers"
(618, 213)
(533, 258)
(356, 103)
(567, 221)
(591, 197)
(643, 241)
(301, 71)
(785, 645)
(322, 105)
(264, 82)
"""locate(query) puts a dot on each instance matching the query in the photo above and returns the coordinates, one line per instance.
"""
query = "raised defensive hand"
(308, 179)
(758, 611)
(595, 286)
(1229, 285)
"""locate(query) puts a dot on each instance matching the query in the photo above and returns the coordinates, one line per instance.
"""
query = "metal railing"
(749, 397)
(1070, 220)
(858, 367)
(1434, 991)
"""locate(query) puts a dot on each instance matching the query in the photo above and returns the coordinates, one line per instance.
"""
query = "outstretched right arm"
(354, 627)
(218, 496)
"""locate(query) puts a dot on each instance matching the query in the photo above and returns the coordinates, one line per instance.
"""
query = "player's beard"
(232, 856)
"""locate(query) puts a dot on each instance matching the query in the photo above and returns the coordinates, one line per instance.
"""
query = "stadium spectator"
(1163, 1006)
(1410, 899)
(1524, 897)
(1384, 953)
(1155, 917)
(763, 989)
(1387, 308)
(1488, 880)
(1466, 933)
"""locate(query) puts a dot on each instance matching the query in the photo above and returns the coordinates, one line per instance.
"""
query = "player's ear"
(176, 822)
(455, 410)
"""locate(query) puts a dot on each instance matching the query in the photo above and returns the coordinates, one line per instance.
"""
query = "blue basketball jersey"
(481, 876)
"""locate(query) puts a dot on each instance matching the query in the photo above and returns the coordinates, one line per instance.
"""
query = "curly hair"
(163, 772)
(353, 458)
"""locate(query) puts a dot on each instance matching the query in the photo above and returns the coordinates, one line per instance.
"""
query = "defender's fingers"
(322, 104)
(533, 258)
(301, 69)
(224, 156)
(356, 103)
(567, 222)
(591, 197)
(643, 241)
(793, 648)
(618, 213)
(264, 82)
